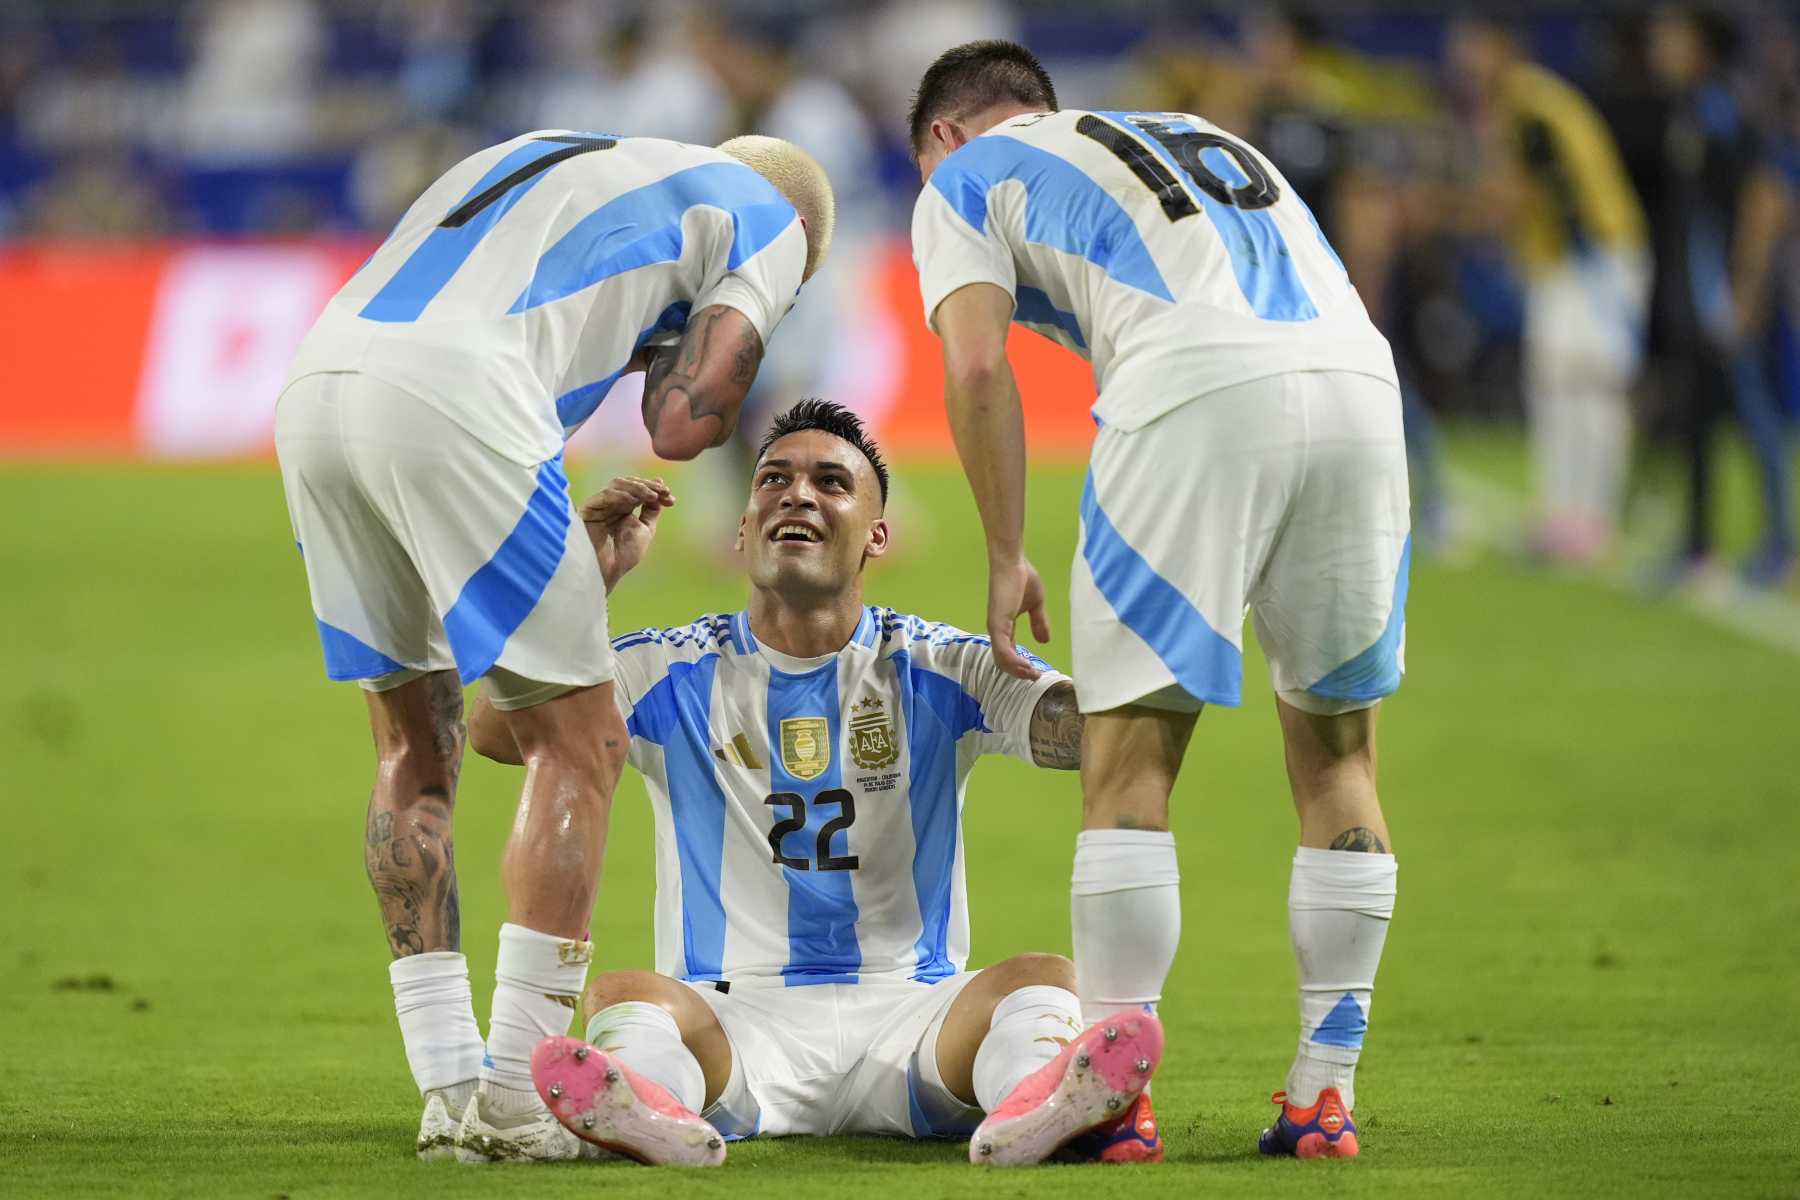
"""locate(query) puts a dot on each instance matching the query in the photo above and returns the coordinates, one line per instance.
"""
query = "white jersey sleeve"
(763, 286)
(1006, 702)
(951, 253)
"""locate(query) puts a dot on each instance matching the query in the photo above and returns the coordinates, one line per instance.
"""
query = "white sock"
(645, 1038)
(1030, 1027)
(1339, 905)
(437, 1021)
(1125, 918)
(537, 980)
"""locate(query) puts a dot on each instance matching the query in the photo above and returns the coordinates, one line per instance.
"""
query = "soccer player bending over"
(1249, 455)
(806, 759)
(420, 437)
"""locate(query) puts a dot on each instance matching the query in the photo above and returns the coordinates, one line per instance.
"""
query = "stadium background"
(1591, 984)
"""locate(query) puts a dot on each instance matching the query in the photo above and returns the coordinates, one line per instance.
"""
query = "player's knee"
(1032, 970)
(620, 987)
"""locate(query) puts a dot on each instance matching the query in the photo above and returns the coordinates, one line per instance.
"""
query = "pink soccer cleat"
(1093, 1082)
(601, 1100)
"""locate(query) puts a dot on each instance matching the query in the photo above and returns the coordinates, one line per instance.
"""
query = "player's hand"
(621, 519)
(1014, 588)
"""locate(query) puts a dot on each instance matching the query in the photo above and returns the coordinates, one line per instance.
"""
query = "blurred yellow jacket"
(1577, 196)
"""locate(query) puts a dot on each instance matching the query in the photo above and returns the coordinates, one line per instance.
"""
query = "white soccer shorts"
(1286, 496)
(836, 1058)
(426, 550)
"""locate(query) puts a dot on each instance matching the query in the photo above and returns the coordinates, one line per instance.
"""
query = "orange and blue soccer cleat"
(604, 1102)
(1093, 1083)
(1325, 1130)
(1130, 1139)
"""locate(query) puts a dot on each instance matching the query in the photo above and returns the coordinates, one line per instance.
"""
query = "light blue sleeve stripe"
(425, 272)
(349, 657)
(578, 404)
(1064, 208)
(643, 226)
(1260, 259)
(1376, 671)
(938, 713)
(1204, 662)
(498, 597)
(822, 910)
(1033, 307)
(676, 715)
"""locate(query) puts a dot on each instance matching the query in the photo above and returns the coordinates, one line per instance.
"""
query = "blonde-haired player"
(420, 436)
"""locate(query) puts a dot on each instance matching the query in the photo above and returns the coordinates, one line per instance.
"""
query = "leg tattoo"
(408, 849)
(1360, 839)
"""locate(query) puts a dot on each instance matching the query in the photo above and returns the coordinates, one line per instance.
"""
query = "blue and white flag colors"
(513, 293)
(808, 811)
(1166, 251)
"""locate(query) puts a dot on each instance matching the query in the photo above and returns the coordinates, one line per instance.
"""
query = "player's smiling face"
(814, 516)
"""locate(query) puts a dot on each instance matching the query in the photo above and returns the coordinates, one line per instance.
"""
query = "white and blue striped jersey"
(808, 811)
(512, 293)
(1170, 254)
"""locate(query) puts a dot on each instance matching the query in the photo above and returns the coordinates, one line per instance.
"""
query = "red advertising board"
(177, 351)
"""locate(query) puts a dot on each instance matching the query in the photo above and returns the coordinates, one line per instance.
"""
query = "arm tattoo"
(407, 846)
(674, 374)
(1056, 726)
(1360, 838)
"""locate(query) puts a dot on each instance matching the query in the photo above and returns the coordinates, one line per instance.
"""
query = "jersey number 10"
(796, 821)
(1184, 146)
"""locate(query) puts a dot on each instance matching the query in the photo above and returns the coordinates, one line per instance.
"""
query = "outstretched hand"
(1014, 589)
(621, 520)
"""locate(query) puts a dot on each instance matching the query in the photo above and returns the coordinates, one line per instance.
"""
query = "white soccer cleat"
(487, 1137)
(607, 1104)
(437, 1131)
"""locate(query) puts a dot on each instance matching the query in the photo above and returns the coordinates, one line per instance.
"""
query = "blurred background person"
(1551, 177)
(1713, 170)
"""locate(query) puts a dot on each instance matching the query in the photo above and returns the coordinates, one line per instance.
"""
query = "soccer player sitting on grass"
(806, 759)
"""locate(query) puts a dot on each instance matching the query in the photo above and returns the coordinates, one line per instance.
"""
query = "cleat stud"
(1112, 1033)
(1143, 1065)
(1112, 1104)
(985, 1149)
(581, 1054)
(612, 1074)
(1081, 1061)
(587, 1122)
(713, 1143)
(556, 1091)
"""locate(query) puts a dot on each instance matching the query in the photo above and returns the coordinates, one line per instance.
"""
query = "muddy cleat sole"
(605, 1103)
(1094, 1082)
(1325, 1130)
(437, 1131)
(1133, 1138)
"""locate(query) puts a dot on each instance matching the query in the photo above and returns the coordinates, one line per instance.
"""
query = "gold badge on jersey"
(805, 746)
(872, 742)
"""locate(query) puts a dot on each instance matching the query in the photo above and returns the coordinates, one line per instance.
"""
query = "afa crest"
(805, 746)
(872, 741)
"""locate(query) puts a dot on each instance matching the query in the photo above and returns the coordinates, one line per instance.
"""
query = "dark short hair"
(826, 417)
(975, 76)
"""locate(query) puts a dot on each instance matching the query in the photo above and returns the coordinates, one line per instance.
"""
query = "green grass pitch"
(1592, 983)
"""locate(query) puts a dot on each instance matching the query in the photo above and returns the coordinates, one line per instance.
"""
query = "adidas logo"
(739, 753)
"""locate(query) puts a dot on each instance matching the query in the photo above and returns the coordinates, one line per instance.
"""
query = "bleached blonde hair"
(799, 178)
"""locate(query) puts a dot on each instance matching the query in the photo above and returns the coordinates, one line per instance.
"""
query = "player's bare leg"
(573, 747)
(1339, 903)
(654, 1056)
(1126, 904)
(408, 850)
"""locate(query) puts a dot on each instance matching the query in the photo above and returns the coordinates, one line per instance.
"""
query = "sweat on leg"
(1125, 918)
(1339, 906)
